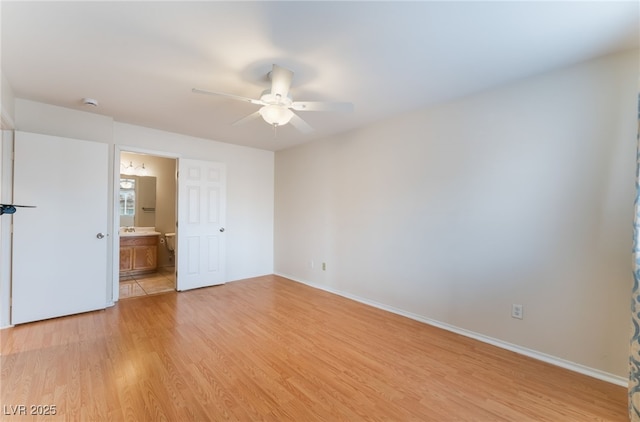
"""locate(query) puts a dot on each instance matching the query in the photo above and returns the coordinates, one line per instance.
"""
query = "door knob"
(221, 229)
(100, 235)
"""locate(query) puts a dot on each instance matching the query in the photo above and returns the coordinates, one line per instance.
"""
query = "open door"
(200, 250)
(60, 247)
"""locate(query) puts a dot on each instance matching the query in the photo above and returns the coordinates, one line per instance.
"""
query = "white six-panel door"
(59, 252)
(201, 234)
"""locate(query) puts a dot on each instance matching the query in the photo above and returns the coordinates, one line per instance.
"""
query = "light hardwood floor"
(272, 349)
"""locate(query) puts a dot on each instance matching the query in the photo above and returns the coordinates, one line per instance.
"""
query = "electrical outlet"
(516, 311)
(324, 266)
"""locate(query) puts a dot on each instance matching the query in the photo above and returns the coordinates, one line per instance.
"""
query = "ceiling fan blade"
(281, 81)
(222, 94)
(321, 106)
(246, 119)
(300, 124)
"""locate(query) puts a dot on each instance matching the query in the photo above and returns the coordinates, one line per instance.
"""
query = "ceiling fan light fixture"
(276, 114)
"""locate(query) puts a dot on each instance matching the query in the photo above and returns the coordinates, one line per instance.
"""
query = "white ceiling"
(140, 60)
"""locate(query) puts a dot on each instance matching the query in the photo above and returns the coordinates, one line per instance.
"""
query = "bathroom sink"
(139, 231)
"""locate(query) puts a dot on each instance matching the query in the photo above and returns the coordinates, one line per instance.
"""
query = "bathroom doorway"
(147, 224)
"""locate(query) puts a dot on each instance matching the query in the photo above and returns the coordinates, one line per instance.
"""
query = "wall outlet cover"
(516, 311)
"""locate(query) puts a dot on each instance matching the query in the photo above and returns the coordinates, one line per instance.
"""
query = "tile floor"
(148, 284)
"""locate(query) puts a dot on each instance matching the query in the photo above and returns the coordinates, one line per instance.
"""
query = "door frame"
(6, 197)
(116, 209)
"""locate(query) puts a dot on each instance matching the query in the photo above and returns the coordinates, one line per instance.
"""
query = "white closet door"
(60, 247)
(201, 233)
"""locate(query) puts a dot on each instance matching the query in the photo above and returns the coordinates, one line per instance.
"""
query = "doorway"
(147, 223)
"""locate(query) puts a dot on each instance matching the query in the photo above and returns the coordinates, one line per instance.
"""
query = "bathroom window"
(127, 196)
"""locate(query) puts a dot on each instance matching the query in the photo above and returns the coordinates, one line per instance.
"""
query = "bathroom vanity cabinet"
(138, 254)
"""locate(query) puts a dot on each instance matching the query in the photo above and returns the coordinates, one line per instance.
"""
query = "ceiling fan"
(277, 104)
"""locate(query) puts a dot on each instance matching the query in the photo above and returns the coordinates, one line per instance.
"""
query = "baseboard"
(572, 366)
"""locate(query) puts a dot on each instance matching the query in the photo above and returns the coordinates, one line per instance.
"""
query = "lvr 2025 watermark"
(29, 410)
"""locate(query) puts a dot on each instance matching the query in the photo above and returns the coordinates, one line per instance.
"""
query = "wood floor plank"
(275, 350)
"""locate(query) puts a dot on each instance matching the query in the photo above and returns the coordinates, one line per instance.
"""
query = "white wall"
(250, 187)
(7, 100)
(523, 194)
(46, 119)
(250, 178)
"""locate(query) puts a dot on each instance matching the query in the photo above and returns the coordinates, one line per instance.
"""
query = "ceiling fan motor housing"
(275, 99)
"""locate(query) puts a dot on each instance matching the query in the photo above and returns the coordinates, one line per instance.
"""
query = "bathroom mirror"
(137, 201)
